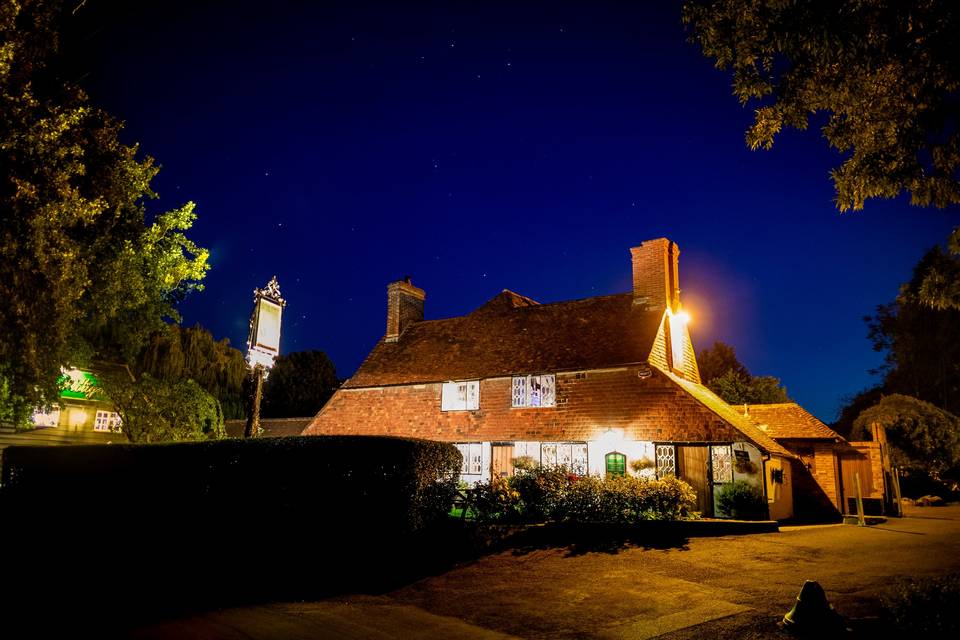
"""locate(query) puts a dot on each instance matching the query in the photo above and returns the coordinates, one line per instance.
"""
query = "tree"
(155, 410)
(921, 343)
(718, 360)
(299, 385)
(83, 270)
(726, 376)
(884, 75)
(176, 353)
(940, 288)
(923, 438)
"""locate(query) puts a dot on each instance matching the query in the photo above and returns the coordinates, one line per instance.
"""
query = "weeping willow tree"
(179, 353)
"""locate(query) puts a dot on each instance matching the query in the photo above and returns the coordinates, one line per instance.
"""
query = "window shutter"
(548, 385)
(448, 394)
(472, 400)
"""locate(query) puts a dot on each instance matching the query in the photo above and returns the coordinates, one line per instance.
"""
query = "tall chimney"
(404, 307)
(655, 274)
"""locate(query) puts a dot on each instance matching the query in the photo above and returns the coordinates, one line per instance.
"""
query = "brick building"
(827, 467)
(604, 385)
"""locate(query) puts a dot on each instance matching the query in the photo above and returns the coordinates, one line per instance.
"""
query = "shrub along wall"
(214, 522)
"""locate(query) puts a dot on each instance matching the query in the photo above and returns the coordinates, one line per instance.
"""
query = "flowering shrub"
(555, 494)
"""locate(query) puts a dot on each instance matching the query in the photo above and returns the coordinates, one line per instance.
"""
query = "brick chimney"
(655, 276)
(404, 307)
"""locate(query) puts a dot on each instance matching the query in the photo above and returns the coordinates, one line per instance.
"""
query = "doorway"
(692, 461)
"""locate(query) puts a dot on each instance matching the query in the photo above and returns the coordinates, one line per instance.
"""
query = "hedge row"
(205, 523)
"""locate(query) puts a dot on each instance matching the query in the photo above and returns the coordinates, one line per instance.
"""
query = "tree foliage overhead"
(921, 344)
(83, 269)
(884, 74)
(163, 411)
(177, 353)
(726, 376)
(940, 288)
(299, 384)
(923, 438)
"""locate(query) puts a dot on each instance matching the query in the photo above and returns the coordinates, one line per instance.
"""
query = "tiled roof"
(512, 334)
(789, 420)
(729, 414)
(272, 427)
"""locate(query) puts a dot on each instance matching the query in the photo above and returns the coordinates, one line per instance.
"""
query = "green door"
(616, 464)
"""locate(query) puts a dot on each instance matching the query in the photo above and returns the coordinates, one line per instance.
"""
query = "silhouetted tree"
(921, 343)
(178, 353)
(727, 377)
(924, 439)
(884, 76)
(299, 384)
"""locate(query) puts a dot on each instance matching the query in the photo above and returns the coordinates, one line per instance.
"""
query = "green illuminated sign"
(79, 385)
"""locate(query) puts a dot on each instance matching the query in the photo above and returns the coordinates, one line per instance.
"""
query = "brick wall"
(404, 306)
(655, 273)
(820, 462)
(587, 405)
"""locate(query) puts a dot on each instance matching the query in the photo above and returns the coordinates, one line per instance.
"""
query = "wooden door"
(501, 460)
(850, 464)
(692, 463)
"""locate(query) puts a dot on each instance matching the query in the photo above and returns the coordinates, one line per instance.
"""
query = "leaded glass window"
(578, 459)
(535, 391)
(472, 453)
(548, 454)
(721, 463)
(666, 455)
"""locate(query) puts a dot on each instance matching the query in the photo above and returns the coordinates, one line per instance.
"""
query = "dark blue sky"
(481, 146)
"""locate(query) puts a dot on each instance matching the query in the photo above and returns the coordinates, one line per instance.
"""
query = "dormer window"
(535, 391)
(460, 396)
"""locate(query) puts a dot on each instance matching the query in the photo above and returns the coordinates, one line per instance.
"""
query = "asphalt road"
(725, 587)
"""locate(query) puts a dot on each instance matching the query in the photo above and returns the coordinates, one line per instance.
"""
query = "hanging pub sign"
(263, 341)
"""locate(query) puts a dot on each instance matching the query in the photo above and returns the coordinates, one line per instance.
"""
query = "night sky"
(481, 146)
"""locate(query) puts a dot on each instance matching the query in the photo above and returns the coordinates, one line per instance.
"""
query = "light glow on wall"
(78, 417)
(611, 440)
(678, 332)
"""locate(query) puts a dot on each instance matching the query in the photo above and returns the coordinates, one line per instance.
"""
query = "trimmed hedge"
(200, 524)
(388, 481)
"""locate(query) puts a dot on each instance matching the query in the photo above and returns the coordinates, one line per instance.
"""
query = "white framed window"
(107, 421)
(572, 455)
(535, 391)
(460, 396)
(472, 453)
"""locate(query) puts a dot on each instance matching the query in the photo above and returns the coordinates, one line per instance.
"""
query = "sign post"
(263, 345)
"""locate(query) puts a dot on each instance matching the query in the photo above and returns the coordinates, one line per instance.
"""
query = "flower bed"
(553, 494)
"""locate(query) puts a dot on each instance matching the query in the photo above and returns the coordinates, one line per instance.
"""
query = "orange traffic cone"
(812, 612)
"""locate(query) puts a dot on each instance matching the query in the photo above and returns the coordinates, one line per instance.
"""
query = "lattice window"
(107, 421)
(721, 463)
(548, 454)
(472, 453)
(535, 391)
(666, 455)
(578, 459)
